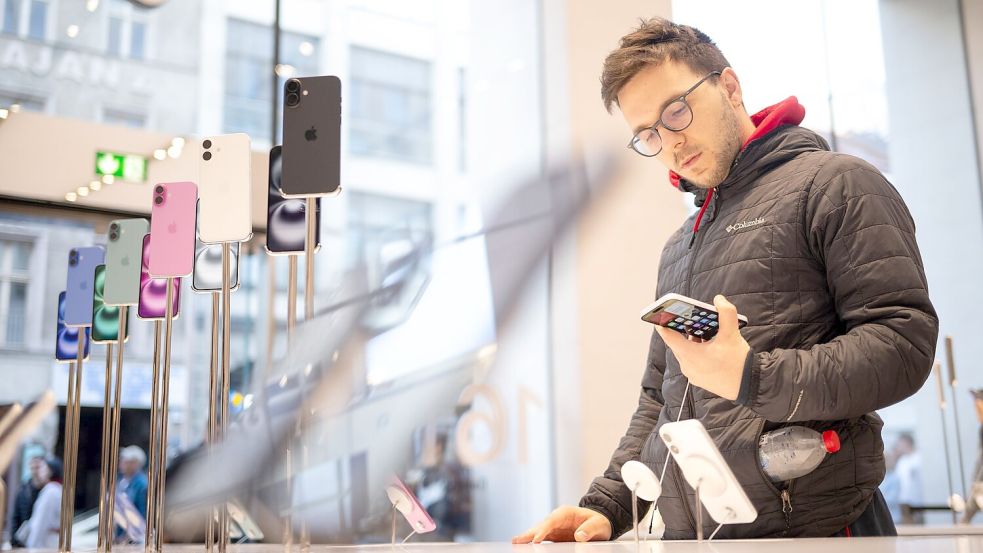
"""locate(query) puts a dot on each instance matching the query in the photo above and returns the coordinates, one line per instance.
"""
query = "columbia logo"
(746, 224)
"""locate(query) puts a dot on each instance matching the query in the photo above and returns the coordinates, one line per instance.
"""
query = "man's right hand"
(568, 524)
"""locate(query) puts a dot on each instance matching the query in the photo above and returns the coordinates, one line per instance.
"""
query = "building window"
(390, 106)
(127, 36)
(124, 118)
(15, 257)
(26, 18)
(248, 67)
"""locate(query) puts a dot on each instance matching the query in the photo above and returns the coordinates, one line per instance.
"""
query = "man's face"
(129, 467)
(35, 467)
(703, 152)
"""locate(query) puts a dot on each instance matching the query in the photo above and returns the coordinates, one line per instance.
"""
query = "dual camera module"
(206, 145)
(73, 258)
(292, 97)
(158, 194)
(113, 232)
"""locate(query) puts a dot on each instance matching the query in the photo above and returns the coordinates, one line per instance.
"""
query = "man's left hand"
(718, 365)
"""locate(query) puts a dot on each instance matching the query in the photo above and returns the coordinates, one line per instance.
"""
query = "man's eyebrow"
(662, 108)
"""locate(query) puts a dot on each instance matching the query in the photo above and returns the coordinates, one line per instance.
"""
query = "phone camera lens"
(206, 156)
(293, 85)
(113, 236)
(159, 189)
(207, 144)
(158, 200)
(293, 99)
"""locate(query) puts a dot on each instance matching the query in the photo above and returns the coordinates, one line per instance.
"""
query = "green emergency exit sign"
(128, 167)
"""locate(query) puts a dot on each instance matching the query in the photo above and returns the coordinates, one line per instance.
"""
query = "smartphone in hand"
(686, 316)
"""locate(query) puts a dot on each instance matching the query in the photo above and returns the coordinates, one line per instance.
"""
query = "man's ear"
(732, 87)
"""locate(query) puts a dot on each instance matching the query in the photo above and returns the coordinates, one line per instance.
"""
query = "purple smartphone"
(82, 263)
(67, 339)
(172, 225)
(153, 291)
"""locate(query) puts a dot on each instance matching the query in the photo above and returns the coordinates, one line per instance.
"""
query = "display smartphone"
(124, 251)
(407, 504)
(686, 316)
(702, 464)
(207, 275)
(286, 226)
(153, 291)
(172, 227)
(224, 181)
(82, 263)
(105, 318)
(67, 338)
(311, 136)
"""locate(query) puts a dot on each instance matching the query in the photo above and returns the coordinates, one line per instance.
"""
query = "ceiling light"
(306, 48)
(83, 191)
(92, 5)
(71, 196)
(4, 113)
(178, 142)
(160, 155)
(72, 31)
(108, 179)
(285, 70)
(95, 186)
(14, 108)
(174, 152)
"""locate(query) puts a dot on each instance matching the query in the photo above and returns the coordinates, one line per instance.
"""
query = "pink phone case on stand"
(406, 503)
(172, 229)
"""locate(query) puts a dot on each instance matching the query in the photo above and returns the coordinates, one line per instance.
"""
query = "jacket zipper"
(787, 504)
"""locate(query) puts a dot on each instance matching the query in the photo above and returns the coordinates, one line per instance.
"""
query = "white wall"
(934, 168)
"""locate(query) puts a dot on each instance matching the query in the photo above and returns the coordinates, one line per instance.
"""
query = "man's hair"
(654, 42)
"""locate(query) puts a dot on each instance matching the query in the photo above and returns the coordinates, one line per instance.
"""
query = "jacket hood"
(787, 113)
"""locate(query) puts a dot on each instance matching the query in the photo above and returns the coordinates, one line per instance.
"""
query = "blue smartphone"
(82, 263)
(66, 338)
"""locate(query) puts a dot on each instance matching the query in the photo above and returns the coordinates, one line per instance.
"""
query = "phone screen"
(67, 338)
(687, 319)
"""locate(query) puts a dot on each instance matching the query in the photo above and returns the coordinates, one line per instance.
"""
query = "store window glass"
(391, 111)
(403, 241)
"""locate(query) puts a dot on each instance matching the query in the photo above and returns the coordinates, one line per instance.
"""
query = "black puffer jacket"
(818, 250)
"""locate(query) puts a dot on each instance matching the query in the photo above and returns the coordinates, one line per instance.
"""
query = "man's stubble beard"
(730, 144)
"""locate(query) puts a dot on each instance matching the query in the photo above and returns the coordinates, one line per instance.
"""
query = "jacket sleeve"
(858, 227)
(608, 494)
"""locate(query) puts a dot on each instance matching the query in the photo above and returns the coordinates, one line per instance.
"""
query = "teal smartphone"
(105, 318)
(123, 257)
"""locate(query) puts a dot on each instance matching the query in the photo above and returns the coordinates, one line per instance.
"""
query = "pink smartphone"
(172, 229)
(407, 504)
(153, 291)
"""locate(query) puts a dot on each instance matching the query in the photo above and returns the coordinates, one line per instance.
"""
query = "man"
(26, 496)
(133, 481)
(45, 524)
(816, 248)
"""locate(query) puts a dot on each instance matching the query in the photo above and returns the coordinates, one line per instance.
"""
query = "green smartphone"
(124, 250)
(105, 318)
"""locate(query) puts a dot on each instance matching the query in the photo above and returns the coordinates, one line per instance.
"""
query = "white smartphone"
(224, 189)
(686, 316)
(693, 450)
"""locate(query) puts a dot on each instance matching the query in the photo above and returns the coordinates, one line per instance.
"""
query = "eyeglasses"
(677, 116)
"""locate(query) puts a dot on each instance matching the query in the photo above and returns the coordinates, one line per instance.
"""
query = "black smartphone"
(286, 227)
(311, 136)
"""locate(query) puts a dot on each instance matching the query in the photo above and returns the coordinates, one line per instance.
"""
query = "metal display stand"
(71, 443)
(945, 442)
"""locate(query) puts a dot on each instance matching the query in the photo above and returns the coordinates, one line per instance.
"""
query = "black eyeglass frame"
(655, 127)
